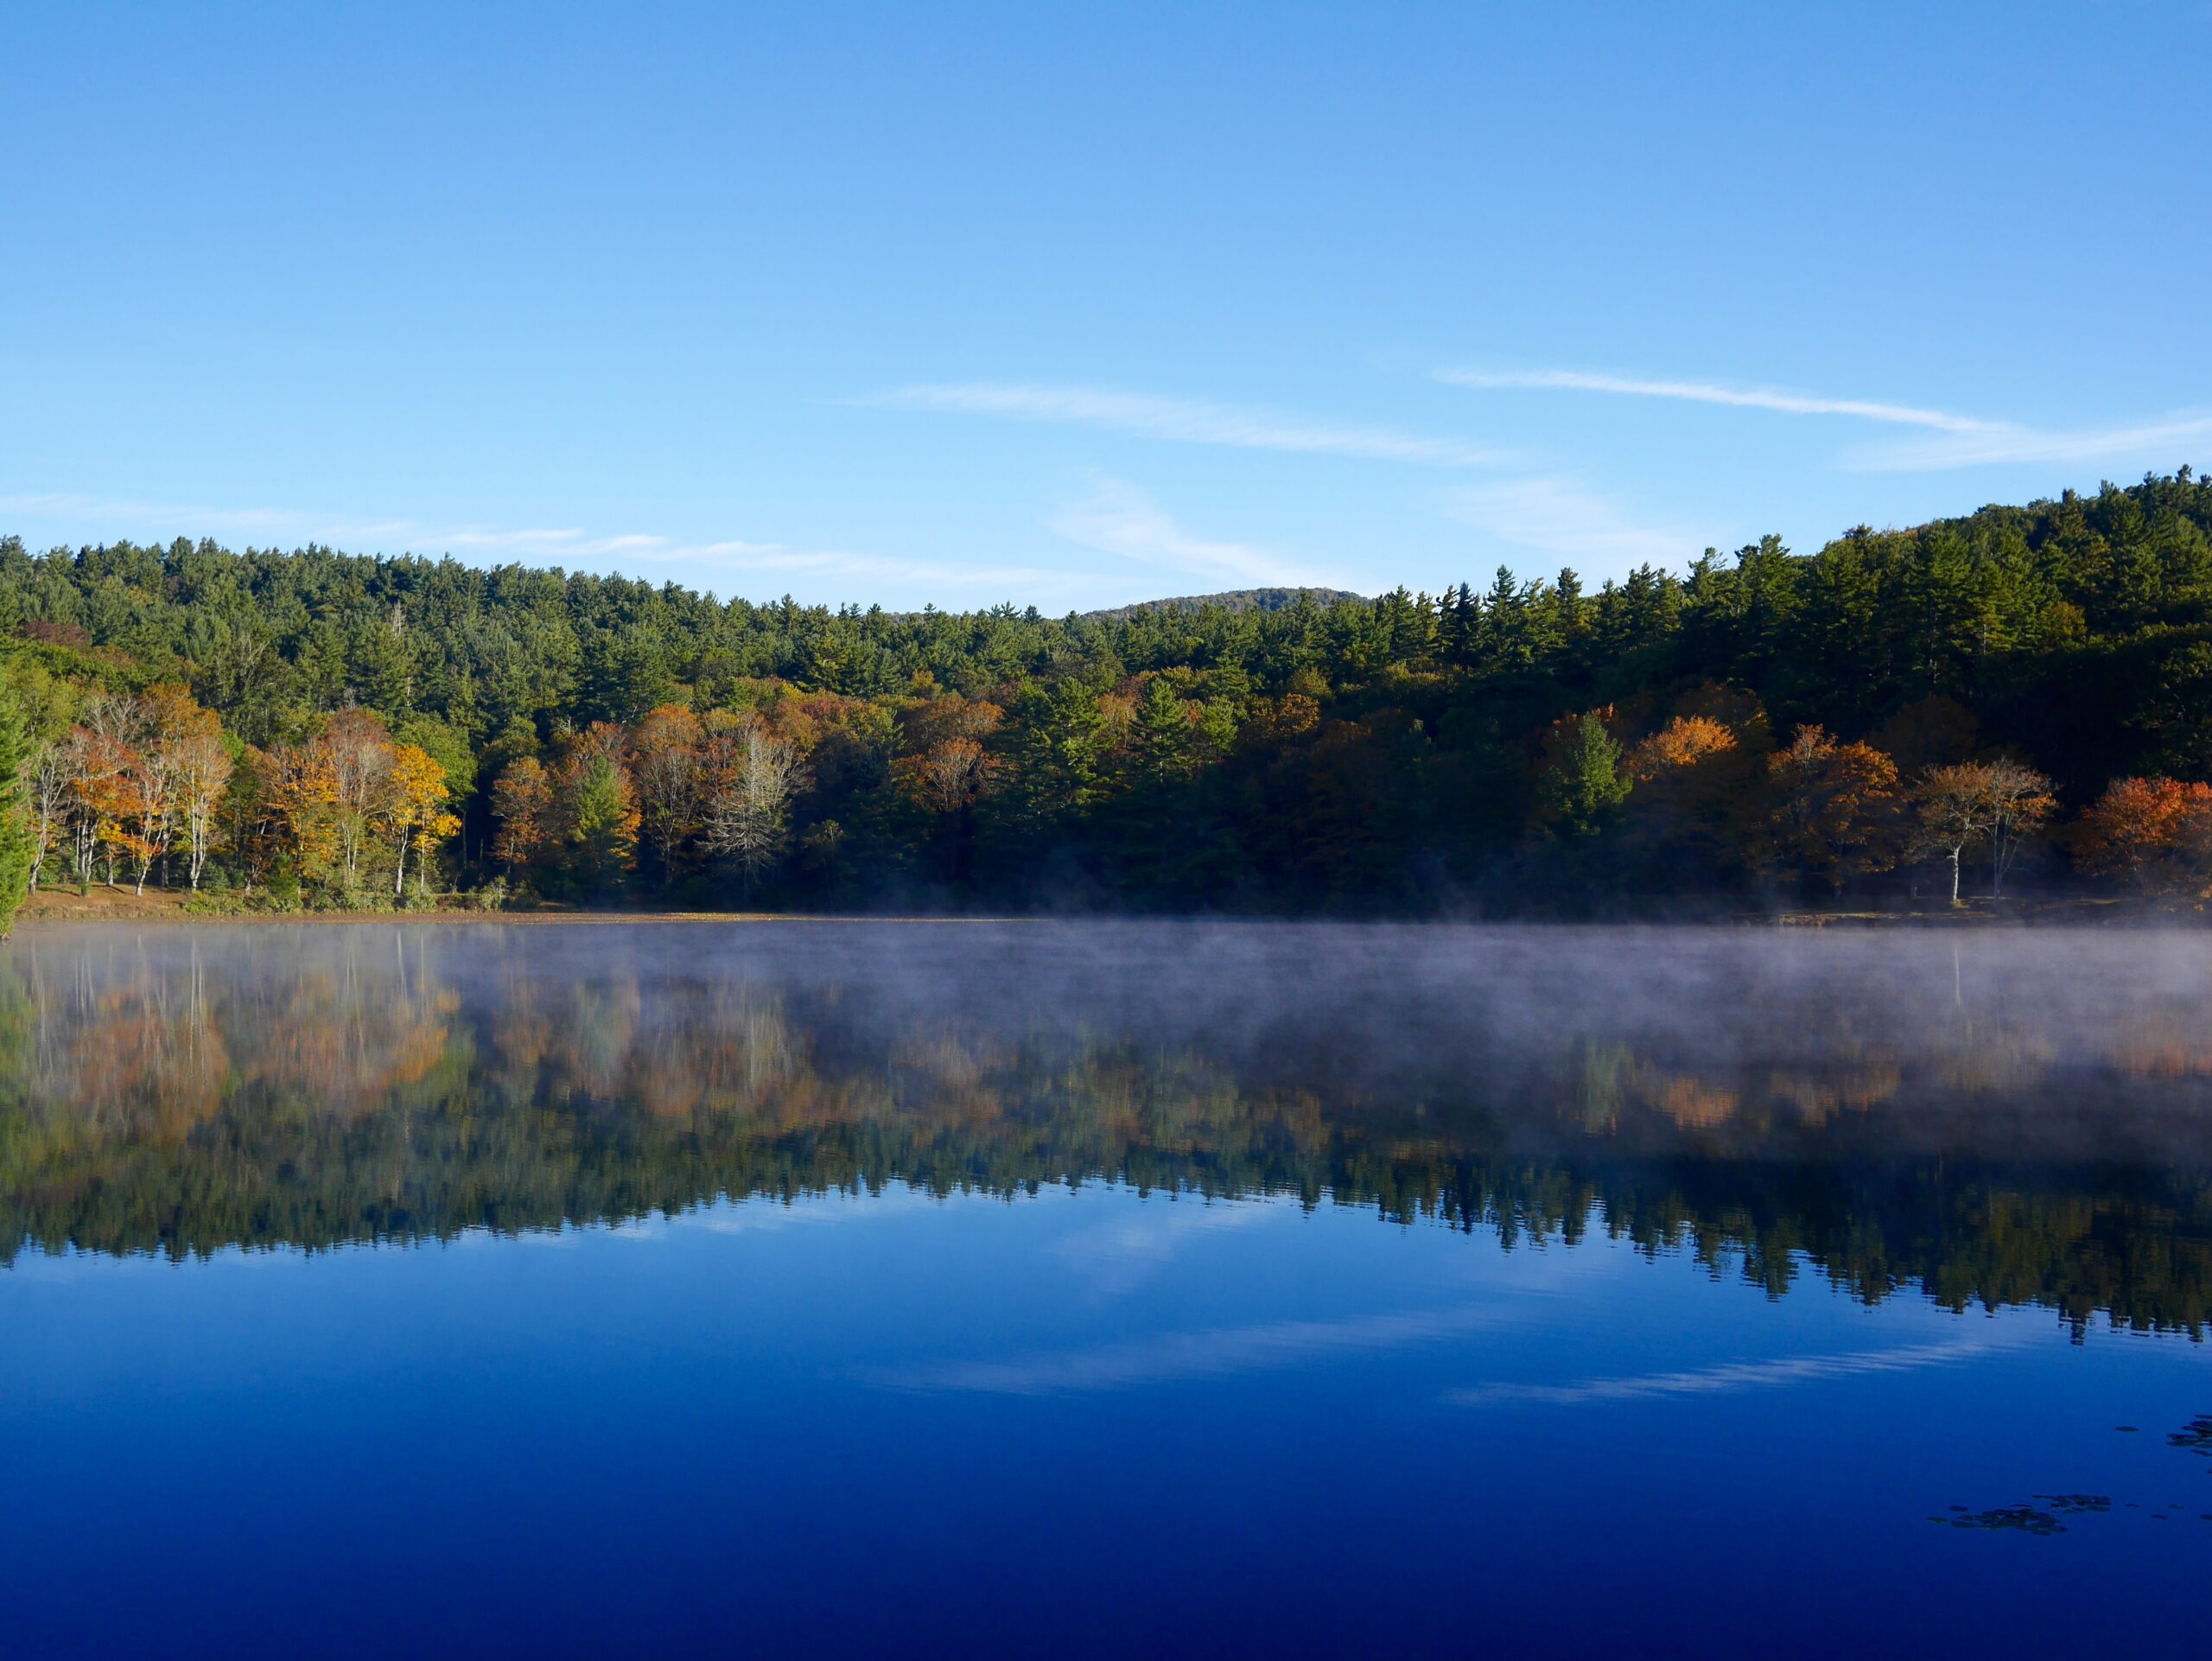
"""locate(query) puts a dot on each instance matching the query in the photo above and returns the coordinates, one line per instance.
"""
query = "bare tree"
(665, 772)
(747, 808)
(153, 807)
(203, 769)
(360, 756)
(1951, 818)
(2016, 801)
(111, 716)
(50, 802)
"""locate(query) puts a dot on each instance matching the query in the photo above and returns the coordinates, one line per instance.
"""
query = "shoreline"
(49, 911)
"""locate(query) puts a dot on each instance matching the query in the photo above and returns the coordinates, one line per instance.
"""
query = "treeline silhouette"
(2023, 689)
(370, 1089)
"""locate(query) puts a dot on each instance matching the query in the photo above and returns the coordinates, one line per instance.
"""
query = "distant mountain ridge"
(1232, 600)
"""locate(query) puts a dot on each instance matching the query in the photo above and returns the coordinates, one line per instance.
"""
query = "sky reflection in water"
(1083, 1288)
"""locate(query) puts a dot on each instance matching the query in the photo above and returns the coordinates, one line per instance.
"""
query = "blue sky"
(1078, 306)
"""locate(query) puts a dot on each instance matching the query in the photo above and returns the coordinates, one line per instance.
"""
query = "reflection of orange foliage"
(1820, 1096)
(2174, 1059)
(155, 1053)
(347, 1043)
(1694, 1105)
(716, 1052)
(157, 1067)
(2164, 1049)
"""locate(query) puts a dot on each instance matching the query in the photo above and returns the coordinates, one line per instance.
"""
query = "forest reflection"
(2015, 1119)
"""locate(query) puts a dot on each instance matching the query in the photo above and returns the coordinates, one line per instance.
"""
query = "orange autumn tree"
(101, 752)
(351, 796)
(1834, 807)
(2155, 831)
(1682, 742)
(522, 804)
(134, 772)
(1696, 786)
(301, 794)
(946, 769)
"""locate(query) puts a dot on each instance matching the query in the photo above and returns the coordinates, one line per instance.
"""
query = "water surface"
(1092, 1288)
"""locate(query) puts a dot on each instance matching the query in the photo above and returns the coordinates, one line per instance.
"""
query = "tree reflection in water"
(1992, 1118)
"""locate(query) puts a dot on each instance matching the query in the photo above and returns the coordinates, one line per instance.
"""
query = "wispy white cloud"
(1119, 519)
(1699, 391)
(2154, 442)
(1557, 517)
(168, 516)
(1170, 1357)
(774, 556)
(1122, 1254)
(1749, 1375)
(570, 546)
(1957, 441)
(762, 1214)
(1186, 420)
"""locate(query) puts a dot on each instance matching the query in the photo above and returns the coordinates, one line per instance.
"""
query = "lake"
(1103, 1289)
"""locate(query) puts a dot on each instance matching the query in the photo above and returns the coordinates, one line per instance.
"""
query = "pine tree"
(605, 831)
(15, 833)
(1056, 759)
(1164, 735)
(1584, 785)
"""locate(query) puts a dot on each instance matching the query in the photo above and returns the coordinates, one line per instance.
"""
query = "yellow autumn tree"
(303, 800)
(414, 812)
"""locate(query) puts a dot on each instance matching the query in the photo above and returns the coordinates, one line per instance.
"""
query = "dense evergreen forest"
(2022, 695)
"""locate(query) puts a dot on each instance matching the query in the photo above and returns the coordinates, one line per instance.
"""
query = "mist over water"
(182, 1091)
(1842, 1230)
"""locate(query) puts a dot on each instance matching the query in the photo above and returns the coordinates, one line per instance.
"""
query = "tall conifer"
(15, 832)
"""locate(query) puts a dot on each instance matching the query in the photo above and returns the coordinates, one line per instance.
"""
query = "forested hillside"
(2024, 690)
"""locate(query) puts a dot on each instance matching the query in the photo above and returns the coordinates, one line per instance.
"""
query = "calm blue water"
(1097, 1290)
